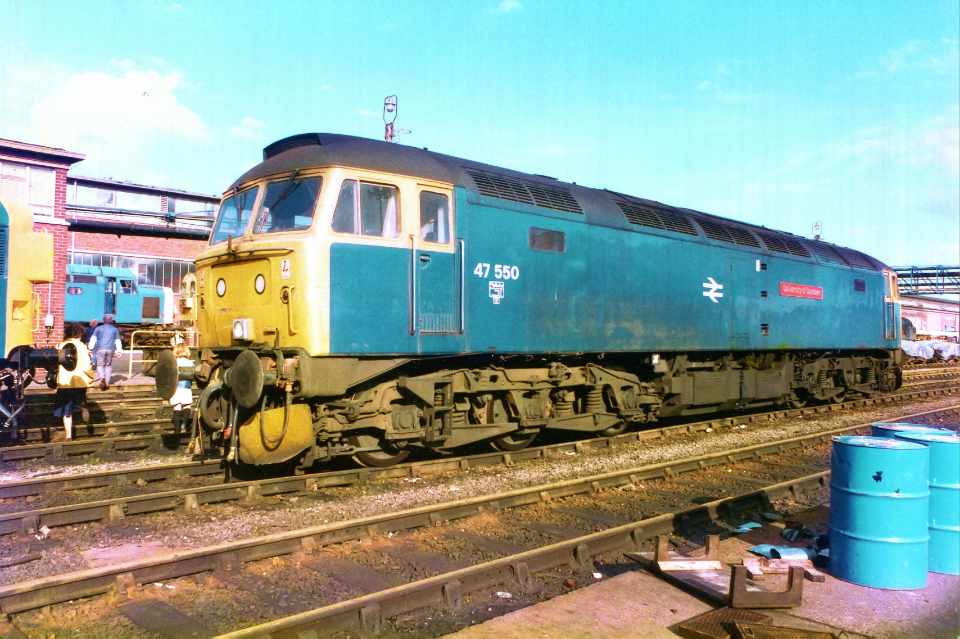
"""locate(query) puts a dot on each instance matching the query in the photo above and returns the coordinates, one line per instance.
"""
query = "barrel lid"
(867, 441)
(943, 438)
(907, 427)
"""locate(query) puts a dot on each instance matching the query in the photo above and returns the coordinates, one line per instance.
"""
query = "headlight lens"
(221, 287)
(260, 284)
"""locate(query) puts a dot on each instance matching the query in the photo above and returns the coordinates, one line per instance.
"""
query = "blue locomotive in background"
(366, 298)
(93, 291)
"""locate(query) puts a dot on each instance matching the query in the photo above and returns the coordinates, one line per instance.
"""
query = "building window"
(35, 185)
(92, 196)
(151, 271)
(138, 201)
(191, 208)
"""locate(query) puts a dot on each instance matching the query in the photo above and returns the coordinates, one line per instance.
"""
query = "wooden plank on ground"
(163, 619)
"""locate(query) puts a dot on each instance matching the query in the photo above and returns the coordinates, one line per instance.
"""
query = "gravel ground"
(68, 548)
(90, 464)
(263, 590)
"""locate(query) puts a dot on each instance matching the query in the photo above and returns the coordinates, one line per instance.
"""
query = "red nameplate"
(807, 292)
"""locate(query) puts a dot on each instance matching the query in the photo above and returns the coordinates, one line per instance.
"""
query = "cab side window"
(434, 217)
(368, 209)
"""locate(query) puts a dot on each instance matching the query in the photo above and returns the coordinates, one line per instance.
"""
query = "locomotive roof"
(598, 206)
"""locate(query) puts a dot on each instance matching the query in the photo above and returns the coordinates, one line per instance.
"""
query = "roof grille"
(826, 252)
(782, 244)
(727, 233)
(654, 215)
(510, 188)
(856, 258)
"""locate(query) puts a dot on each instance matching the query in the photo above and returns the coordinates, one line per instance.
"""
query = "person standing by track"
(72, 382)
(104, 343)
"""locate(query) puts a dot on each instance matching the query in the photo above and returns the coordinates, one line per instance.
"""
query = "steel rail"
(36, 593)
(368, 612)
(193, 497)
(155, 473)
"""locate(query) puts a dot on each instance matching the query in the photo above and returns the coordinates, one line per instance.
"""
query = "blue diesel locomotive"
(363, 298)
(92, 291)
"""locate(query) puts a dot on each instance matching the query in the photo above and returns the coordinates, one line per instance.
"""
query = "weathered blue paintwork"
(115, 291)
(879, 504)
(944, 498)
(611, 290)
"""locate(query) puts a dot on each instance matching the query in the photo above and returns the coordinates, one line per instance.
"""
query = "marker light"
(243, 329)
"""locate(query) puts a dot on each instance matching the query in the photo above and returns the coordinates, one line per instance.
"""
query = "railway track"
(775, 467)
(198, 495)
(143, 434)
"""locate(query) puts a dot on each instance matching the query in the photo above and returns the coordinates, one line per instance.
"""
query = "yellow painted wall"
(30, 262)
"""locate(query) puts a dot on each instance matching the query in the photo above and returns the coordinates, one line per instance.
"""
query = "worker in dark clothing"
(104, 342)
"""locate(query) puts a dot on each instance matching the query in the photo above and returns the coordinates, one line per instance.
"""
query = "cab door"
(437, 264)
(110, 295)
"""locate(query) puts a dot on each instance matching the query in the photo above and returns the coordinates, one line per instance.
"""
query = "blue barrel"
(944, 499)
(879, 503)
(892, 429)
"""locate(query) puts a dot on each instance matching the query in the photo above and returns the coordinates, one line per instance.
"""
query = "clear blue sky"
(778, 113)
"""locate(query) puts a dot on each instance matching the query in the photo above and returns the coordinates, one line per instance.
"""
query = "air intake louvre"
(654, 216)
(826, 252)
(727, 233)
(782, 244)
(509, 188)
(856, 258)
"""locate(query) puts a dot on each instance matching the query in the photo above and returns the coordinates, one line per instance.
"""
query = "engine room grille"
(654, 216)
(856, 258)
(510, 188)
(781, 244)
(826, 252)
(727, 233)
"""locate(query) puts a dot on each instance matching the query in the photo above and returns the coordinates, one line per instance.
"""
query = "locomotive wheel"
(388, 455)
(614, 430)
(513, 441)
(839, 397)
(795, 401)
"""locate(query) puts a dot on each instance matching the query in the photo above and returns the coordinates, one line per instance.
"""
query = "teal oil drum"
(892, 429)
(879, 503)
(944, 499)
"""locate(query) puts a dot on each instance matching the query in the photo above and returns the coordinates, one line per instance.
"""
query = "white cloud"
(508, 6)
(100, 108)
(939, 58)
(250, 128)
(121, 116)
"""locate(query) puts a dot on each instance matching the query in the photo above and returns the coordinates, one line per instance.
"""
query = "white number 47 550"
(500, 271)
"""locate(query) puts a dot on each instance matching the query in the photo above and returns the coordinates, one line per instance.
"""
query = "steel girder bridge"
(928, 280)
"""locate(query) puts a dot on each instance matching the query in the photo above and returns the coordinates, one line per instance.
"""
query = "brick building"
(37, 175)
(152, 230)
